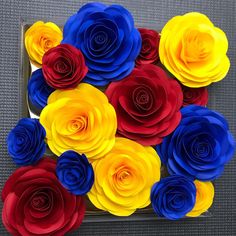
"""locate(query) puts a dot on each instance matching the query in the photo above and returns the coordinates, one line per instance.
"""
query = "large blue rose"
(173, 197)
(108, 40)
(38, 89)
(200, 146)
(26, 143)
(75, 172)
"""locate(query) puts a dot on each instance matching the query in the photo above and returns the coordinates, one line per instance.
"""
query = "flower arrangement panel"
(117, 122)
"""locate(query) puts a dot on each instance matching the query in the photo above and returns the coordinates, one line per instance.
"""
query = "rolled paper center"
(142, 98)
(198, 46)
(41, 200)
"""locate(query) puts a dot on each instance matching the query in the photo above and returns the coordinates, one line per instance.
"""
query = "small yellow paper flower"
(81, 120)
(194, 50)
(124, 177)
(204, 198)
(39, 38)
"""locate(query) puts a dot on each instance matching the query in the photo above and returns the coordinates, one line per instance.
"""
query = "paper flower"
(200, 146)
(197, 96)
(75, 172)
(64, 67)
(81, 120)
(147, 104)
(204, 198)
(35, 203)
(194, 50)
(107, 38)
(25, 142)
(38, 89)
(173, 197)
(149, 53)
(39, 38)
(124, 177)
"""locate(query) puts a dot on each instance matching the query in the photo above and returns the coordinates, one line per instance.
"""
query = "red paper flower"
(36, 204)
(149, 53)
(197, 96)
(147, 104)
(64, 67)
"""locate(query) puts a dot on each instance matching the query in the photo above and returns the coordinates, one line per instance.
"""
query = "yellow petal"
(122, 184)
(39, 38)
(204, 198)
(194, 50)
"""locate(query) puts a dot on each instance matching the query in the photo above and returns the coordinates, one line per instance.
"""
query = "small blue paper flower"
(108, 40)
(38, 89)
(26, 143)
(173, 197)
(200, 146)
(75, 172)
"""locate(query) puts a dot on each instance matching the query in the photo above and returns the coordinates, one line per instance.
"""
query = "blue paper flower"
(108, 40)
(200, 146)
(75, 172)
(26, 143)
(173, 197)
(38, 89)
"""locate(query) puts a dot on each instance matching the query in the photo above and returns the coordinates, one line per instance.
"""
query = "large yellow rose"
(194, 50)
(124, 177)
(204, 198)
(39, 38)
(79, 119)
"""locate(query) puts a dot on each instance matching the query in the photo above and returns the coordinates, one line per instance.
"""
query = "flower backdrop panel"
(117, 121)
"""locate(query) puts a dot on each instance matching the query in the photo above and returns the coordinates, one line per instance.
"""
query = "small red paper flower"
(197, 96)
(147, 103)
(64, 67)
(36, 204)
(149, 53)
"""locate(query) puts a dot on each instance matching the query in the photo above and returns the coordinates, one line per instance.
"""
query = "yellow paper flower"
(194, 50)
(124, 177)
(39, 38)
(81, 120)
(204, 198)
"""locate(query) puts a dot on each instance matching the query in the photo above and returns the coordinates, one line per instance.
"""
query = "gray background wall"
(152, 14)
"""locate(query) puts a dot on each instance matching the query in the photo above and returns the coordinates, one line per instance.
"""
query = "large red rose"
(64, 66)
(36, 204)
(149, 53)
(147, 103)
(197, 96)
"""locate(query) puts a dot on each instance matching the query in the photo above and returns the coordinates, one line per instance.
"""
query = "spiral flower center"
(142, 98)
(41, 200)
(146, 46)
(201, 147)
(71, 177)
(198, 46)
(61, 67)
(188, 94)
(79, 124)
(177, 202)
(100, 38)
(123, 175)
(20, 140)
(47, 44)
